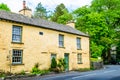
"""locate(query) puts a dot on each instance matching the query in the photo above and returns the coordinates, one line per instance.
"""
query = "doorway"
(66, 56)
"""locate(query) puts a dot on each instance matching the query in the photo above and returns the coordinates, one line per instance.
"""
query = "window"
(41, 33)
(53, 56)
(17, 56)
(79, 58)
(61, 40)
(53, 61)
(78, 43)
(16, 34)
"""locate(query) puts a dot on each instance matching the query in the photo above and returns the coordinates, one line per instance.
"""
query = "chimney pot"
(25, 11)
(24, 4)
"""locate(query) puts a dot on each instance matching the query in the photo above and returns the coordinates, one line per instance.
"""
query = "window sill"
(16, 64)
(17, 43)
(79, 49)
(80, 63)
(61, 47)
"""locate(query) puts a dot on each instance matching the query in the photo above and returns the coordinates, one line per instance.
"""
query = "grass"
(95, 60)
(84, 69)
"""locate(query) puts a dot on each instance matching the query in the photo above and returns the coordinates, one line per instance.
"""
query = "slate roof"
(19, 18)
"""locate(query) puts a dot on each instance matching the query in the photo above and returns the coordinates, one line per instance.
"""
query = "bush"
(36, 70)
(53, 63)
(61, 64)
(96, 60)
(2, 74)
(22, 72)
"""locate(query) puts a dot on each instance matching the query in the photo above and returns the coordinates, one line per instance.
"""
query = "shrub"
(36, 70)
(53, 63)
(61, 64)
(22, 72)
(2, 74)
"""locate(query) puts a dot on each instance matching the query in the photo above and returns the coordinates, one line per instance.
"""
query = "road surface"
(110, 72)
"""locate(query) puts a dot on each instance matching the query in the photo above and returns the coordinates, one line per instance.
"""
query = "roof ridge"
(39, 22)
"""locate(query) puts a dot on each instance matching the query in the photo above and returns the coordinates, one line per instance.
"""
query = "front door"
(66, 56)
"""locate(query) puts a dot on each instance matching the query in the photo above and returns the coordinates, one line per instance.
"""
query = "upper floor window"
(17, 56)
(16, 34)
(61, 40)
(78, 43)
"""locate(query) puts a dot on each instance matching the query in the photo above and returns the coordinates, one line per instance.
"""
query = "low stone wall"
(97, 65)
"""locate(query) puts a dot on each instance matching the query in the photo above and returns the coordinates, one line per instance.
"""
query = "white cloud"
(16, 5)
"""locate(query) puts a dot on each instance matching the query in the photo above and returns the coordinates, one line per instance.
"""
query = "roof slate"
(19, 18)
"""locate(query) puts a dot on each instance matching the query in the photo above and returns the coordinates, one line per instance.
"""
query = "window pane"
(61, 44)
(53, 56)
(78, 43)
(16, 34)
(17, 57)
(79, 58)
(61, 40)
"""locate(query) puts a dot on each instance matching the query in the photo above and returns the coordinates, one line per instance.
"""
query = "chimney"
(71, 23)
(25, 11)
(24, 4)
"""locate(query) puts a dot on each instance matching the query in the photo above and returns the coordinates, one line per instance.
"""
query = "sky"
(16, 5)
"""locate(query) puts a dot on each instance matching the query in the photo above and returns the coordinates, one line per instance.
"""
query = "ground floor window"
(79, 58)
(53, 56)
(53, 61)
(17, 56)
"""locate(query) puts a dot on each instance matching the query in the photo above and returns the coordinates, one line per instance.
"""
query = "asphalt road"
(110, 72)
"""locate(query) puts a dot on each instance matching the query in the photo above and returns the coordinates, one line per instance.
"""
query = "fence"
(97, 65)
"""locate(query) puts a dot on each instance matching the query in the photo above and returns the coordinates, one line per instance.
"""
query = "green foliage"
(61, 64)
(64, 18)
(53, 63)
(41, 12)
(101, 21)
(96, 50)
(84, 69)
(36, 70)
(22, 72)
(4, 7)
(95, 60)
(61, 14)
(2, 74)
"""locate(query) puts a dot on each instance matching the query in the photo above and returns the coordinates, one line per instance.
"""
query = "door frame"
(66, 55)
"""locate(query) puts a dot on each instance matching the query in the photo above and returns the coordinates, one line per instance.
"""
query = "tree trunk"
(109, 55)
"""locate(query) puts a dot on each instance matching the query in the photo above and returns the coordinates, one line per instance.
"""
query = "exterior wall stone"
(38, 48)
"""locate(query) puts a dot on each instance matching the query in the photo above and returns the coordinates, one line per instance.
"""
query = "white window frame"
(78, 40)
(16, 34)
(79, 58)
(61, 40)
(17, 56)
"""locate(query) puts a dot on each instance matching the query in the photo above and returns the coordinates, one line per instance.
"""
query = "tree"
(63, 19)
(111, 12)
(4, 7)
(100, 21)
(41, 12)
(61, 14)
